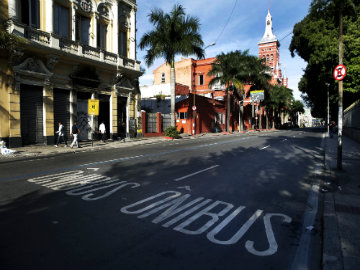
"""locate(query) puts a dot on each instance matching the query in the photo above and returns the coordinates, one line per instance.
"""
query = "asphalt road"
(227, 202)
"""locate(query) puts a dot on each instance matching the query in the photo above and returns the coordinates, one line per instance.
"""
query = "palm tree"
(234, 70)
(174, 34)
(225, 70)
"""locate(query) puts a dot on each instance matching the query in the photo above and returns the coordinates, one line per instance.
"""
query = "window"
(101, 35)
(182, 115)
(123, 42)
(272, 57)
(201, 79)
(267, 58)
(162, 77)
(82, 30)
(30, 12)
(61, 20)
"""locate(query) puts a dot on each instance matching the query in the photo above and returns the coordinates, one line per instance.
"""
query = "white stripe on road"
(265, 147)
(195, 173)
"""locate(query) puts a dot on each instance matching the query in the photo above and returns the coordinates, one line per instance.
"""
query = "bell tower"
(269, 50)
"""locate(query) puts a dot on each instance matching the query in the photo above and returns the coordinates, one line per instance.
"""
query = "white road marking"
(185, 187)
(265, 147)
(195, 173)
(94, 169)
(172, 204)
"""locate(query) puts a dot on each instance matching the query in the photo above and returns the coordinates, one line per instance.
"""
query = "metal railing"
(70, 46)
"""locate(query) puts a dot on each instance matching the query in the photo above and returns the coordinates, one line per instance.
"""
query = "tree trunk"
(228, 111)
(172, 92)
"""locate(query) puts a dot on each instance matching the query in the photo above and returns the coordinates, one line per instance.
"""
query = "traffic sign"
(339, 72)
(194, 108)
(93, 107)
(257, 95)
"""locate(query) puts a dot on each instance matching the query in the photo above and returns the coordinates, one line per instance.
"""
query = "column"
(48, 112)
(73, 106)
(113, 116)
(133, 34)
(14, 114)
(94, 34)
(128, 102)
(73, 20)
(12, 9)
(49, 16)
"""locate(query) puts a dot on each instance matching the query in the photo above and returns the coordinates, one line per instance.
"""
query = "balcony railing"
(72, 47)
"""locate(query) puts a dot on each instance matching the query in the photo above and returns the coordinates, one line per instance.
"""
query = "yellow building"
(76, 50)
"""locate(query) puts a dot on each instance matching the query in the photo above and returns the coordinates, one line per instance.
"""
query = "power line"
(226, 22)
(285, 36)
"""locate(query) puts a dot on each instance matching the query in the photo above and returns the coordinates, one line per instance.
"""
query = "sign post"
(339, 74)
(93, 109)
(256, 96)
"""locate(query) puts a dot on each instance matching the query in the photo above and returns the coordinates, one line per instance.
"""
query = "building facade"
(74, 50)
(269, 50)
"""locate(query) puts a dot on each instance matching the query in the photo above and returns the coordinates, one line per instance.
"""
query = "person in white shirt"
(102, 131)
(61, 135)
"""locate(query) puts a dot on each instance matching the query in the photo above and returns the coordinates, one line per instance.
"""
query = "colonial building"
(75, 50)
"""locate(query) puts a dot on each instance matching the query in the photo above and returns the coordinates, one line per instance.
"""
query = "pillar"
(15, 121)
(133, 34)
(48, 113)
(49, 16)
(114, 121)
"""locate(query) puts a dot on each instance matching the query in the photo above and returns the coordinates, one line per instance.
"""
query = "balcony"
(71, 47)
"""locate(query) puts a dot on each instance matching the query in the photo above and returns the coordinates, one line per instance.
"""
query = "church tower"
(269, 50)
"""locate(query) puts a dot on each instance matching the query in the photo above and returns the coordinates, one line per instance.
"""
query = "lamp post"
(328, 108)
(194, 93)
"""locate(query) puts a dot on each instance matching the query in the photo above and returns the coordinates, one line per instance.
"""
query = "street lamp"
(194, 92)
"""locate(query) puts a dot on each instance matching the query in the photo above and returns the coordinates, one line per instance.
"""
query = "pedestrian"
(75, 131)
(122, 131)
(102, 131)
(61, 135)
(332, 127)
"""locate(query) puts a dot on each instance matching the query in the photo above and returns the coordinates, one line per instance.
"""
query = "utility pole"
(340, 102)
(328, 109)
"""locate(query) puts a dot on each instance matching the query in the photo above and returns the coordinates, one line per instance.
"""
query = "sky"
(243, 31)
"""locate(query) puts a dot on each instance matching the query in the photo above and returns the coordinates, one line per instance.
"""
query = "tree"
(174, 34)
(234, 70)
(296, 107)
(279, 98)
(316, 40)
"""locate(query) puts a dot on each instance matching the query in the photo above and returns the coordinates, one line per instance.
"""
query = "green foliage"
(174, 33)
(238, 68)
(297, 106)
(316, 40)
(172, 132)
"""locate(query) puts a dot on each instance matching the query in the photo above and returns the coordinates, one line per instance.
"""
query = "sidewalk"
(41, 151)
(341, 206)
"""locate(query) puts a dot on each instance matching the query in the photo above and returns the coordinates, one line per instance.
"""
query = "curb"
(332, 254)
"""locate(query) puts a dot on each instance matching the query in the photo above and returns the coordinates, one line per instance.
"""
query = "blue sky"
(244, 30)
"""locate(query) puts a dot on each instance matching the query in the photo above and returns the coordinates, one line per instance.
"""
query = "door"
(104, 113)
(83, 118)
(62, 110)
(31, 114)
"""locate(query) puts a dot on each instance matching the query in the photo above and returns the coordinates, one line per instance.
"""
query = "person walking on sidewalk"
(61, 135)
(332, 127)
(102, 131)
(75, 131)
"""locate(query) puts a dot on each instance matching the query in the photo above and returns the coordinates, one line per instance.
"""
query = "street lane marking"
(172, 207)
(265, 147)
(195, 173)
(94, 169)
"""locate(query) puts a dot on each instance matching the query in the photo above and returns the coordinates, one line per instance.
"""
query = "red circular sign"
(339, 72)
(194, 108)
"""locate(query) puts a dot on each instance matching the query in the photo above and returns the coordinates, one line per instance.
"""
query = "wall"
(5, 87)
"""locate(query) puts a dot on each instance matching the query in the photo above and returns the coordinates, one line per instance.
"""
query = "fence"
(155, 124)
(352, 121)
